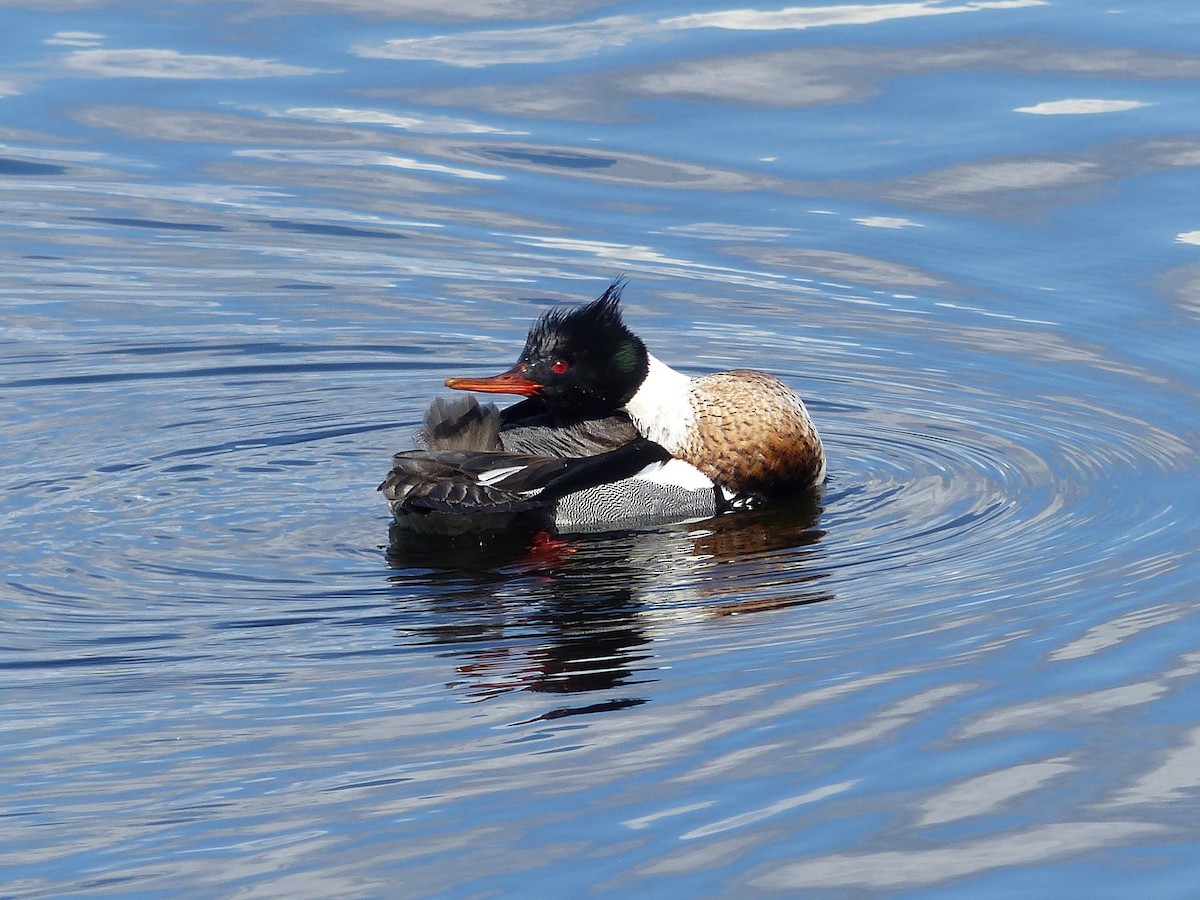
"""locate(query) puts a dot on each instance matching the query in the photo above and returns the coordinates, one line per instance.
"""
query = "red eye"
(559, 366)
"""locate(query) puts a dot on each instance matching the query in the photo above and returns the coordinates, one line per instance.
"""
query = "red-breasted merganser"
(607, 436)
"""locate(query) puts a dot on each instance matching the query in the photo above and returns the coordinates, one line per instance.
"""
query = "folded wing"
(477, 465)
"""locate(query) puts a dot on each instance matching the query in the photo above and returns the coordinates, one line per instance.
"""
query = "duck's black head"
(581, 360)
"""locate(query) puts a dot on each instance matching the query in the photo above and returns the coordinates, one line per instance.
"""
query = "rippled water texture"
(245, 243)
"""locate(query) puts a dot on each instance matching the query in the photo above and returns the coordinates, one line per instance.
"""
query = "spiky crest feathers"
(605, 360)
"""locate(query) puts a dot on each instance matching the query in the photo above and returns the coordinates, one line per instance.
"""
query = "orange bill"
(511, 382)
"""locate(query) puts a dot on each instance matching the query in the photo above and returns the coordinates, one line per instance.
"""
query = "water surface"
(245, 243)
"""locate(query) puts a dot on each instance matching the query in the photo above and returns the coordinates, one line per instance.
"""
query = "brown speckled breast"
(753, 435)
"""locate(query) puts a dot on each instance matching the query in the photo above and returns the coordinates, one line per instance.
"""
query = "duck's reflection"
(575, 614)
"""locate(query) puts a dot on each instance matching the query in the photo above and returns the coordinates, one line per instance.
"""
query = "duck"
(606, 435)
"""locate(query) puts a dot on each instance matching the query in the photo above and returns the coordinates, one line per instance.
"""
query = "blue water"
(243, 246)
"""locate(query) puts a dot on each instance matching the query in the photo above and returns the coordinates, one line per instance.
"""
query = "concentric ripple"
(965, 492)
(939, 491)
(941, 494)
(209, 540)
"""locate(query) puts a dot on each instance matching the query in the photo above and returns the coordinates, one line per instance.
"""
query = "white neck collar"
(662, 409)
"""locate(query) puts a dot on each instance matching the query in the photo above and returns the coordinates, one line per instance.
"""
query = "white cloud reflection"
(1080, 107)
(551, 43)
(1176, 777)
(55, 155)
(75, 39)
(365, 158)
(419, 124)
(719, 231)
(558, 43)
(800, 17)
(161, 63)
(799, 77)
(938, 864)
(886, 222)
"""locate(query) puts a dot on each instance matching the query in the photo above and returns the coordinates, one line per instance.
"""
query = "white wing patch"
(675, 473)
(487, 479)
